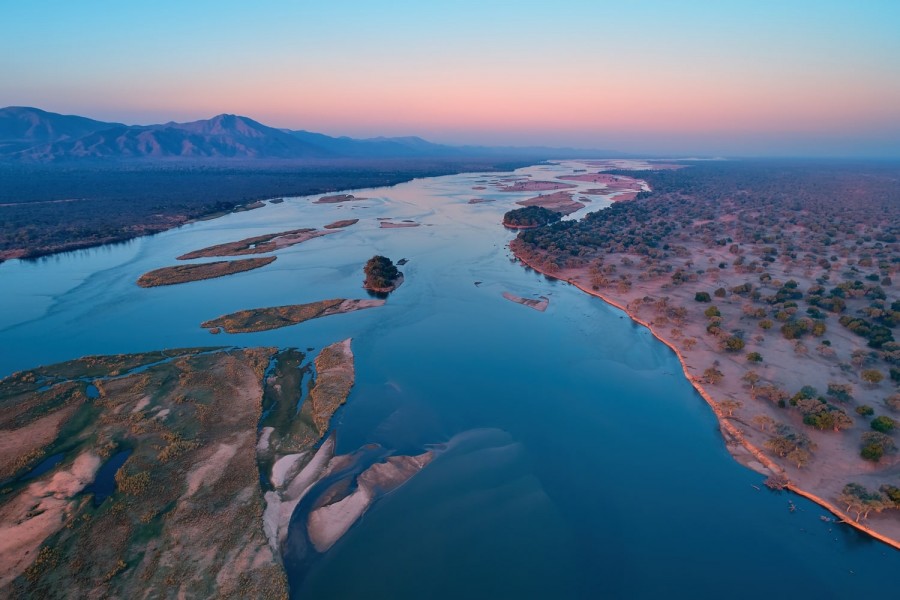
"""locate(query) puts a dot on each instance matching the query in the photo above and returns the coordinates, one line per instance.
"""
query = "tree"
(712, 375)
(861, 501)
(883, 424)
(755, 357)
(729, 406)
(751, 378)
(380, 273)
(702, 297)
(872, 376)
(764, 422)
(733, 344)
(864, 410)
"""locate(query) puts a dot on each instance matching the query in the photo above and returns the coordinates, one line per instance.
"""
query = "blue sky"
(695, 77)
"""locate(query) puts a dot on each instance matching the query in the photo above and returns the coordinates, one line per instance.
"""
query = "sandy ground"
(39, 511)
(327, 524)
(539, 305)
(536, 186)
(836, 460)
(560, 202)
(393, 225)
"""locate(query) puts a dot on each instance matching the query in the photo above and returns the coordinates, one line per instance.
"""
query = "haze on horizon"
(731, 78)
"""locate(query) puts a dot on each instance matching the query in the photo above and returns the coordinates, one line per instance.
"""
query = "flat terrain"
(197, 272)
(54, 208)
(259, 244)
(274, 317)
(776, 285)
(156, 490)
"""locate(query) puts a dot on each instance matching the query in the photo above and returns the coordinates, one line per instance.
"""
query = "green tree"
(702, 297)
(883, 424)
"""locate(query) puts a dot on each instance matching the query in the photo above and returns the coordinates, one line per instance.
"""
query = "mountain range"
(34, 135)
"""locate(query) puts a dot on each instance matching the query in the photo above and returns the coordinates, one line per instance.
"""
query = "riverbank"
(729, 430)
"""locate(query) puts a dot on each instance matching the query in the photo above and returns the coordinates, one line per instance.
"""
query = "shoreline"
(728, 430)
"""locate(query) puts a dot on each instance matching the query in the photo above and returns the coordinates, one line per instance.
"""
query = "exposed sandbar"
(274, 317)
(394, 225)
(259, 244)
(197, 272)
(539, 305)
(327, 524)
(536, 186)
(560, 202)
(341, 224)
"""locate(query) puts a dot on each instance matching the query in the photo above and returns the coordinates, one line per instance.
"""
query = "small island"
(337, 199)
(259, 244)
(342, 223)
(530, 217)
(197, 272)
(381, 275)
(275, 317)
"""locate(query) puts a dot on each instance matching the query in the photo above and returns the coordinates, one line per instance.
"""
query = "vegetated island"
(199, 271)
(342, 223)
(259, 244)
(337, 199)
(560, 202)
(275, 317)
(530, 217)
(154, 488)
(480, 200)
(387, 224)
(381, 275)
(538, 305)
(774, 284)
(535, 186)
(141, 474)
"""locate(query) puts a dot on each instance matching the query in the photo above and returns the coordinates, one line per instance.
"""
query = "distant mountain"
(33, 135)
(22, 127)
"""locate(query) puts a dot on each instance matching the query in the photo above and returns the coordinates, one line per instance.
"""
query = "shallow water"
(579, 462)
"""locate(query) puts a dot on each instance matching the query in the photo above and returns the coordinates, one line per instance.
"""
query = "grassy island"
(274, 317)
(200, 271)
(154, 488)
(259, 244)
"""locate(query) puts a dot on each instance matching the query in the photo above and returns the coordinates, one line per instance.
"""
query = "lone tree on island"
(381, 274)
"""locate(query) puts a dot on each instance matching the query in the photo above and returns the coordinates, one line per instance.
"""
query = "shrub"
(883, 424)
(702, 297)
(865, 410)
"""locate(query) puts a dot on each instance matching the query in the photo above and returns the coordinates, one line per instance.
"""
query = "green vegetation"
(702, 297)
(875, 445)
(883, 424)
(531, 216)
(177, 493)
(381, 274)
(865, 410)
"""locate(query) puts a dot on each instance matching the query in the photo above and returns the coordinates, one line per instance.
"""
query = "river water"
(576, 459)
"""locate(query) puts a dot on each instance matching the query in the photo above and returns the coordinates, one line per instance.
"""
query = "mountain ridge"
(33, 135)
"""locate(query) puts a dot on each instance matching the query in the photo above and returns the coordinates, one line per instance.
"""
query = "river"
(575, 459)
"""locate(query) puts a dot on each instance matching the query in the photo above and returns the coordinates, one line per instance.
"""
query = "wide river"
(577, 460)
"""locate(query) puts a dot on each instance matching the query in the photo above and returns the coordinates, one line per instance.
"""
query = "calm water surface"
(577, 461)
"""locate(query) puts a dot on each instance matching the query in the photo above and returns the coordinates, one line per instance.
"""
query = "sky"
(686, 77)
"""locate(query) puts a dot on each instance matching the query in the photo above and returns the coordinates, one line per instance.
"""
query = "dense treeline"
(46, 209)
(530, 216)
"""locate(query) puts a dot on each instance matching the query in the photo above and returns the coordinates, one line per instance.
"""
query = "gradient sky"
(786, 77)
